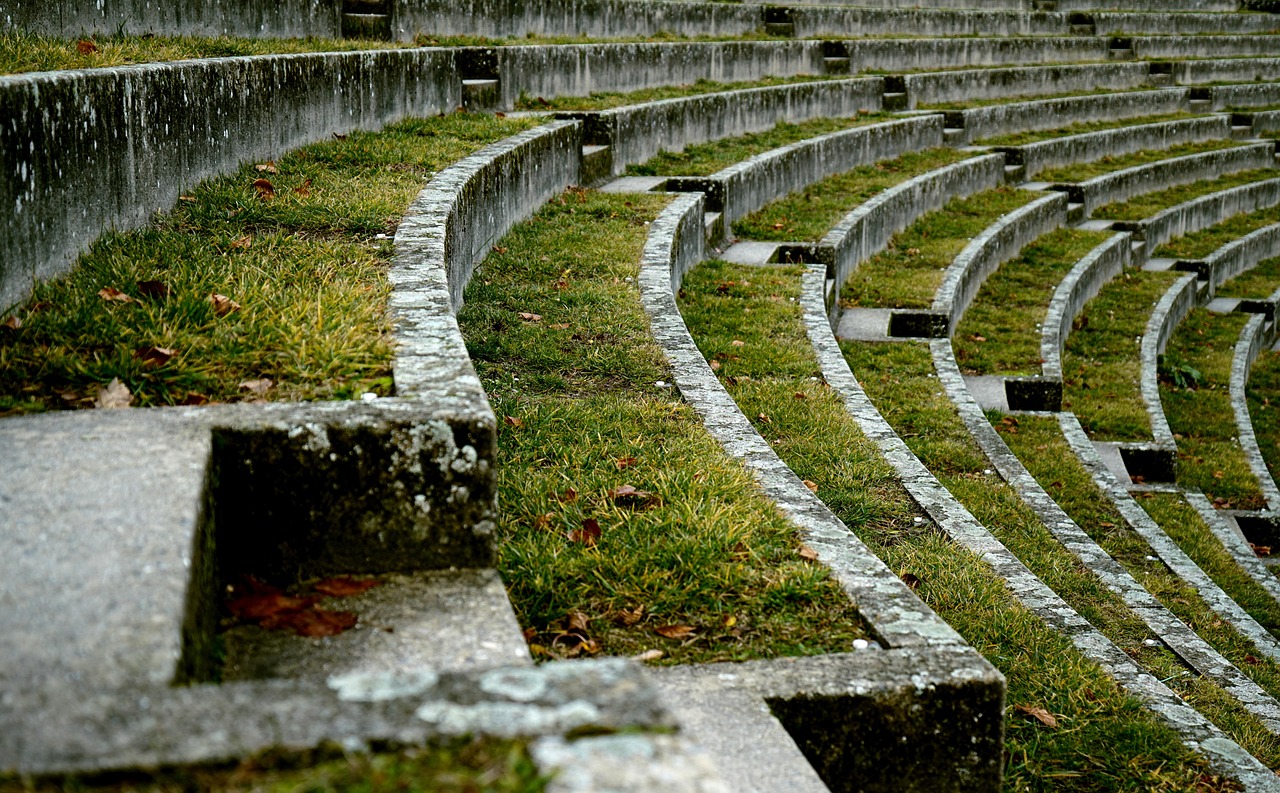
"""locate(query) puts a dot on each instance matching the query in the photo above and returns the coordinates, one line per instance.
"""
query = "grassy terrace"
(1100, 360)
(1148, 204)
(1199, 244)
(1194, 389)
(700, 553)
(1264, 383)
(298, 261)
(1105, 741)
(607, 100)
(972, 103)
(1035, 136)
(1082, 171)
(1000, 333)
(810, 213)
(1258, 282)
(703, 159)
(907, 274)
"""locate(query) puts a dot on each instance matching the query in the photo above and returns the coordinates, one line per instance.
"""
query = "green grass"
(909, 271)
(898, 377)
(457, 766)
(1106, 740)
(306, 266)
(1200, 414)
(1257, 282)
(702, 159)
(1080, 172)
(1148, 204)
(1100, 362)
(810, 213)
(1000, 333)
(1264, 383)
(1080, 128)
(607, 100)
(974, 103)
(1199, 244)
(579, 410)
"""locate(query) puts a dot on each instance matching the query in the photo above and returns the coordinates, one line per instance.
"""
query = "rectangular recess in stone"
(920, 324)
(1033, 393)
(1149, 462)
(1258, 528)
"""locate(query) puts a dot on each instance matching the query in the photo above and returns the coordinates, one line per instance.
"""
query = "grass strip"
(810, 213)
(703, 159)
(1264, 383)
(1080, 172)
(970, 104)
(1148, 204)
(908, 272)
(304, 255)
(607, 100)
(1100, 361)
(459, 766)
(1106, 740)
(900, 380)
(1259, 282)
(1000, 332)
(1199, 244)
(1079, 128)
(1039, 443)
(554, 325)
(1195, 387)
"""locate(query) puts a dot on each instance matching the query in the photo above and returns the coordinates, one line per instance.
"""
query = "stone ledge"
(1200, 213)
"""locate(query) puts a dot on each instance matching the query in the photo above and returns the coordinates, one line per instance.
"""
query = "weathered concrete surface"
(1091, 146)
(444, 620)
(636, 133)
(626, 763)
(1226, 70)
(84, 151)
(1201, 213)
(868, 228)
(1258, 333)
(1006, 83)
(70, 18)
(1005, 118)
(1233, 540)
(1182, 296)
(1085, 279)
(918, 54)
(950, 516)
(84, 731)
(1228, 261)
(1224, 97)
(582, 69)
(1156, 6)
(743, 188)
(587, 18)
(1126, 183)
(1219, 46)
(1109, 22)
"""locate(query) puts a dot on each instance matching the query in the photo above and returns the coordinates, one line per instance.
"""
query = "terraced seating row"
(464, 214)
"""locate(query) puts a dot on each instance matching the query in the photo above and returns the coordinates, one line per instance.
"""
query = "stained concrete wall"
(1245, 96)
(867, 230)
(1200, 213)
(1124, 184)
(1081, 285)
(1114, 142)
(743, 188)
(1236, 257)
(968, 85)
(946, 53)
(835, 22)
(85, 151)
(1202, 47)
(1226, 70)
(985, 122)
(282, 18)
(1154, 6)
(581, 69)
(637, 133)
(1109, 22)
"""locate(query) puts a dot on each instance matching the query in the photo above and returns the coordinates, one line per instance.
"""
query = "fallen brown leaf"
(113, 396)
(912, 581)
(527, 317)
(738, 343)
(192, 398)
(86, 47)
(543, 521)
(629, 617)
(588, 534)
(648, 655)
(13, 322)
(1039, 714)
(303, 190)
(223, 305)
(627, 495)
(155, 356)
(812, 485)
(808, 553)
(799, 396)
(675, 631)
(110, 293)
(344, 586)
(577, 621)
(623, 463)
(154, 289)
(267, 167)
(513, 421)
(312, 622)
(243, 243)
(265, 188)
(259, 387)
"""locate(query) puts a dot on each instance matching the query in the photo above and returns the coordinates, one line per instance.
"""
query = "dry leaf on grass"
(812, 485)
(1039, 714)
(265, 189)
(112, 294)
(113, 395)
(675, 631)
(223, 305)
(808, 553)
(259, 387)
(648, 655)
(267, 167)
(154, 356)
(588, 535)
(528, 317)
(86, 47)
(154, 289)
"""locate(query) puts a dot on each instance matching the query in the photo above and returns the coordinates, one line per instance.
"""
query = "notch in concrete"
(895, 92)
(835, 57)
(1202, 269)
(779, 21)
(1082, 24)
(1149, 462)
(919, 324)
(1267, 308)
(713, 188)
(366, 19)
(481, 82)
(1201, 99)
(1258, 528)
(1033, 393)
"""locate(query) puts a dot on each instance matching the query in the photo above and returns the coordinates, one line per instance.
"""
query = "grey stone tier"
(869, 227)
(1168, 551)
(1154, 6)
(1200, 213)
(1003, 119)
(89, 150)
(1235, 543)
(636, 133)
(1198, 654)
(1235, 257)
(1182, 296)
(1226, 70)
(744, 187)
(1215, 47)
(896, 617)
(247, 18)
(921, 54)
(1126, 183)
(1226, 97)
(1081, 284)
(951, 517)
(1258, 332)
(1162, 22)
(1262, 121)
(1070, 149)
(967, 85)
